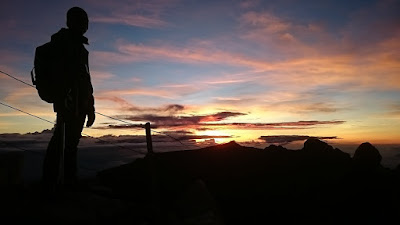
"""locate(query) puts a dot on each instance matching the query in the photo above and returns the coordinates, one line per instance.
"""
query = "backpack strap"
(33, 76)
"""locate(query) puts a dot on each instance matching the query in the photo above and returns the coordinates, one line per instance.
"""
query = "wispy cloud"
(132, 13)
(266, 22)
(124, 105)
(20, 95)
(165, 91)
(187, 136)
(132, 20)
(131, 52)
(226, 81)
(249, 3)
(280, 125)
(227, 99)
(211, 121)
(304, 105)
(8, 57)
(183, 120)
(278, 35)
(393, 111)
(139, 91)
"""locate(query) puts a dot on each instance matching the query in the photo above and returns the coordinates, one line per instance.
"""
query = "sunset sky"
(274, 71)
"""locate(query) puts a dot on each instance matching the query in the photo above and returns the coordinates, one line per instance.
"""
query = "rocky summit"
(243, 185)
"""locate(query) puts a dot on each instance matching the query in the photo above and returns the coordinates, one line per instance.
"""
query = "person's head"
(77, 20)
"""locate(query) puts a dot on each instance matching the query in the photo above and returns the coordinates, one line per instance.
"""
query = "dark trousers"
(68, 130)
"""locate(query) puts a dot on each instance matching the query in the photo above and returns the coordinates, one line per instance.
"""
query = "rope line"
(81, 133)
(123, 121)
(16, 79)
(26, 113)
(110, 117)
(141, 125)
(176, 139)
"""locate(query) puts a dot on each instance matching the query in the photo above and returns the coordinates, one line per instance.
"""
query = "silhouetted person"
(74, 104)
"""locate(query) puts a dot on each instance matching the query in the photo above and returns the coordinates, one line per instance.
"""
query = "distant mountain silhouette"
(244, 185)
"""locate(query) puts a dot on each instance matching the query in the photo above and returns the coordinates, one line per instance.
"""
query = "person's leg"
(51, 163)
(73, 129)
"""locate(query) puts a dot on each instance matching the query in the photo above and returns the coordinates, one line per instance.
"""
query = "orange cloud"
(22, 93)
(139, 91)
(326, 60)
(227, 99)
(225, 81)
(98, 77)
(132, 20)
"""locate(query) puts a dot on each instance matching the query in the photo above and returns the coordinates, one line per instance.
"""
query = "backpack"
(47, 72)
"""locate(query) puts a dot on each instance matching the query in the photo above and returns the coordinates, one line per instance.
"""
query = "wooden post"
(148, 139)
(154, 191)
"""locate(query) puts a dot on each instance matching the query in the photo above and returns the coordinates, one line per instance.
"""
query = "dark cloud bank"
(286, 139)
(210, 121)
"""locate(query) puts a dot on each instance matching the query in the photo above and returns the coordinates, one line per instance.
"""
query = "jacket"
(77, 89)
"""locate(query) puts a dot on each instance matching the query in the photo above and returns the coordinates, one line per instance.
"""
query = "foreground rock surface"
(225, 184)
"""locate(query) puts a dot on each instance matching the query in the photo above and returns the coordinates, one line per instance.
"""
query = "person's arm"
(91, 110)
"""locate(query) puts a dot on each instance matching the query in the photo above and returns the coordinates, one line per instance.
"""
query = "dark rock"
(229, 145)
(320, 153)
(11, 166)
(367, 156)
(315, 145)
(194, 205)
(275, 148)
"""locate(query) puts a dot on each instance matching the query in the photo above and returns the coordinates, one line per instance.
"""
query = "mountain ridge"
(249, 183)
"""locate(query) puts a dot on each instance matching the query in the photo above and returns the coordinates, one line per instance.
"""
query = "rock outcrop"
(275, 148)
(367, 156)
